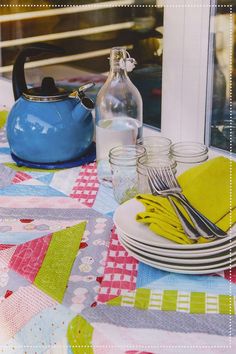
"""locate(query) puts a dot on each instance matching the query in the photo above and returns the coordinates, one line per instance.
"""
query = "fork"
(189, 230)
(165, 183)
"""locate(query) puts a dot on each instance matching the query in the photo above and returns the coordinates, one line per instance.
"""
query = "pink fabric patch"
(21, 202)
(86, 187)
(120, 271)
(20, 176)
(28, 257)
(19, 308)
(231, 277)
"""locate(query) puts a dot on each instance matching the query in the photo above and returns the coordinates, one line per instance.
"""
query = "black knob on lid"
(48, 87)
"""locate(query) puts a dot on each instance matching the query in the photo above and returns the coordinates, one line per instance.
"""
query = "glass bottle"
(119, 112)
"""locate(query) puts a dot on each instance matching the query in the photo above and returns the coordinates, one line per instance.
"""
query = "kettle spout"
(82, 109)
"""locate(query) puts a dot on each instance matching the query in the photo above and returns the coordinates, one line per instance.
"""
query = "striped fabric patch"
(20, 176)
(174, 300)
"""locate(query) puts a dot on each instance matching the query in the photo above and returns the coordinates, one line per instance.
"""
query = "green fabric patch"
(172, 300)
(3, 118)
(79, 335)
(142, 298)
(28, 169)
(226, 304)
(115, 302)
(169, 300)
(53, 275)
(197, 302)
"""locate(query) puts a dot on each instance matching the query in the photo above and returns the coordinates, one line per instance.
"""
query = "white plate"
(184, 267)
(124, 218)
(179, 253)
(175, 261)
(162, 266)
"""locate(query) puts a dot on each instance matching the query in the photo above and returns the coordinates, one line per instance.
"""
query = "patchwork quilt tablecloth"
(68, 286)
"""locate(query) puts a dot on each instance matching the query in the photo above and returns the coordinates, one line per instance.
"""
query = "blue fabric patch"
(153, 278)
(110, 214)
(37, 175)
(69, 350)
(26, 190)
(53, 325)
(198, 283)
(4, 150)
(46, 179)
(16, 238)
(147, 274)
(104, 202)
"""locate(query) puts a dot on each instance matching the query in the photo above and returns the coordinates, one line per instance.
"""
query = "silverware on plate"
(164, 183)
(189, 230)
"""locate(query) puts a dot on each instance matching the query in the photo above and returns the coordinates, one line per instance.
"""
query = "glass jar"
(123, 162)
(188, 154)
(148, 162)
(119, 112)
(157, 145)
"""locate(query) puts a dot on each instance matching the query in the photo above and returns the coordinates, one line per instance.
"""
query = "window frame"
(181, 68)
(184, 79)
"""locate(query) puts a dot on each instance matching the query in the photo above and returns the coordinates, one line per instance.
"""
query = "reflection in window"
(222, 128)
(87, 38)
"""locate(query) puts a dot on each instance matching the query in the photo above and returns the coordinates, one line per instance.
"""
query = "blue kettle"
(47, 124)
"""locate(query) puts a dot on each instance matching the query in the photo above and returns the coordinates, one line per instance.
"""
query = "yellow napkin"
(209, 187)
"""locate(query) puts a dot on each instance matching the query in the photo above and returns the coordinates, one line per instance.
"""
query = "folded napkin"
(209, 187)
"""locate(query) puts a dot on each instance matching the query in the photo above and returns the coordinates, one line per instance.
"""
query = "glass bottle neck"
(117, 72)
(117, 55)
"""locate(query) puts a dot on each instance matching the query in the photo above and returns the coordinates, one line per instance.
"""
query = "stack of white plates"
(159, 252)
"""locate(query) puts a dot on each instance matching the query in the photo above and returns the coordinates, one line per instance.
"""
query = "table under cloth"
(68, 286)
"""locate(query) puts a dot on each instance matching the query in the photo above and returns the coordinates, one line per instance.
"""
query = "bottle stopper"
(128, 64)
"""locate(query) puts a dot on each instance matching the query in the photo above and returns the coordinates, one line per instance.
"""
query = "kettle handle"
(18, 74)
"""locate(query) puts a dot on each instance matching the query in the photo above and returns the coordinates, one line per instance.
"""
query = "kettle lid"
(48, 91)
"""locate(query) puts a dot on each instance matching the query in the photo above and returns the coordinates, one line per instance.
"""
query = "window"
(182, 48)
(221, 108)
(87, 34)
(191, 79)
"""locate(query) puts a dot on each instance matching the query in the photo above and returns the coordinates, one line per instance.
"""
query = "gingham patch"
(86, 186)
(120, 271)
